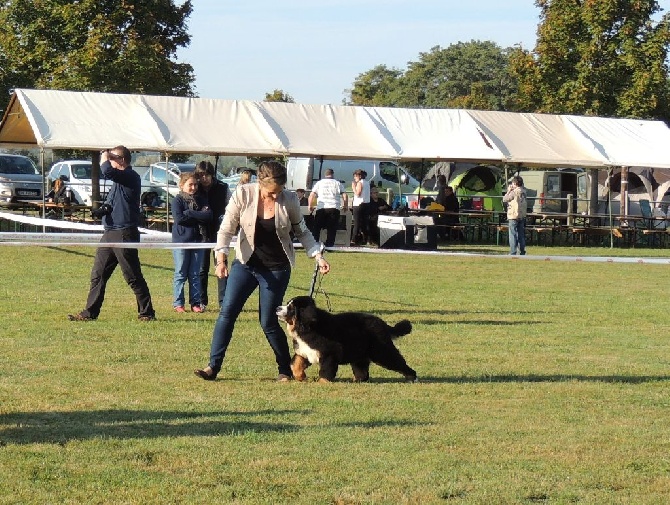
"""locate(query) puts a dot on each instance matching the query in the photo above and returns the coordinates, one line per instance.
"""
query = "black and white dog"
(334, 339)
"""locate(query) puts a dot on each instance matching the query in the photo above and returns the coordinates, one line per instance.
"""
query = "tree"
(466, 75)
(596, 57)
(279, 95)
(95, 45)
(120, 46)
(375, 87)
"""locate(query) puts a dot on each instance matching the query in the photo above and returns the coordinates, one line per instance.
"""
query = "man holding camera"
(120, 218)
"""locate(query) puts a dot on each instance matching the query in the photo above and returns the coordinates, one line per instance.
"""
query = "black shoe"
(205, 374)
(146, 318)
(79, 317)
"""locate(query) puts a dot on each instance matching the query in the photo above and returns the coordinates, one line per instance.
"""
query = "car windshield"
(81, 171)
(12, 165)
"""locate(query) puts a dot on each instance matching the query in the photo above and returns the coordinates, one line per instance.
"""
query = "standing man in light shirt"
(515, 198)
(330, 196)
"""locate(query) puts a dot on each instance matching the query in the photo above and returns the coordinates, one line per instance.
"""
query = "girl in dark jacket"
(191, 215)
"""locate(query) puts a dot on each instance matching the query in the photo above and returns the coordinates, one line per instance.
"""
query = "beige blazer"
(242, 211)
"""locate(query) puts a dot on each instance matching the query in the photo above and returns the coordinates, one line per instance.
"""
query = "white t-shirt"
(365, 194)
(328, 193)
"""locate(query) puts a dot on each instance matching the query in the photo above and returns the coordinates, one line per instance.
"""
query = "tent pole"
(418, 199)
(609, 204)
(44, 188)
(167, 193)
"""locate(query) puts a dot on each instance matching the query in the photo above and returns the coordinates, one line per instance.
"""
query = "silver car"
(20, 180)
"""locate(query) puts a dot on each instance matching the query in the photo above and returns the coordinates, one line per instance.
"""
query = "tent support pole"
(44, 187)
(609, 205)
(167, 193)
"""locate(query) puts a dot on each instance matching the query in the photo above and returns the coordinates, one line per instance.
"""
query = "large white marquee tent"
(54, 119)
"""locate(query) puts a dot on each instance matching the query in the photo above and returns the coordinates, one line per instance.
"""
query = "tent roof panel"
(435, 134)
(328, 130)
(625, 142)
(536, 139)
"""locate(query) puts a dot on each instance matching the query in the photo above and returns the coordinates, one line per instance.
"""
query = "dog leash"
(314, 289)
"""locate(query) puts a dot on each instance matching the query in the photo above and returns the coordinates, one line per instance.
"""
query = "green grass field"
(540, 382)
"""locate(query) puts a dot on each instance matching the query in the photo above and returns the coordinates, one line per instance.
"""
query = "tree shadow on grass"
(479, 322)
(92, 256)
(63, 427)
(510, 378)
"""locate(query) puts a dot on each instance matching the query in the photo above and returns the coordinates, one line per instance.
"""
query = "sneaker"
(203, 307)
(79, 317)
(197, 309)
(179, 309)
(283, 378)
(146, 318)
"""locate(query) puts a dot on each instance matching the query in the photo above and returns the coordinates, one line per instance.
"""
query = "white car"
(77, 176)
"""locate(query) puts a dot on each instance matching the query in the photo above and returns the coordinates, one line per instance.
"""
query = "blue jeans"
(242, 281)
(517, 236)
(186, 267)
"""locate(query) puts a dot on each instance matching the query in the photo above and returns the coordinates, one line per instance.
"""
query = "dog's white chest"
(302, 349)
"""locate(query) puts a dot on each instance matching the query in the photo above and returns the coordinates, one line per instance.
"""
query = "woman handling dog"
(266, 214)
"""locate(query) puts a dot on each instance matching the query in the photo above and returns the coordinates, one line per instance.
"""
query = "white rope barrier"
(152, 239)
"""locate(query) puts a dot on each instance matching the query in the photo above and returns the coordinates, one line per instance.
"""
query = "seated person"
(58, 193)
(302, 197)
(377, 206)
(447, 198)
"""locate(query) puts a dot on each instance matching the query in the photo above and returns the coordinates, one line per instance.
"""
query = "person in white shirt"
(330, 199)
(361, 189)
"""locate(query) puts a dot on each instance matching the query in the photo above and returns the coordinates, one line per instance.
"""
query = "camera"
(104, 210)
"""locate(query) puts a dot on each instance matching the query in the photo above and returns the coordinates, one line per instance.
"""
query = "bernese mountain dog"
(330, 340)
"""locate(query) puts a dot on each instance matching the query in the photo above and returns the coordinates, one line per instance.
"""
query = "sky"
(314, 49)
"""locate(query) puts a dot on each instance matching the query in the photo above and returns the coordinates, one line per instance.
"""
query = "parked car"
(157, 180)
(163, 177)
(19, 180)
(77, 177)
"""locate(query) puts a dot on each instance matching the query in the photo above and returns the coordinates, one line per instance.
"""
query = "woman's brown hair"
(272, 172)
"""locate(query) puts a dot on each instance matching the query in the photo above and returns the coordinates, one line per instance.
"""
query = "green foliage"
(541, 382)
(605, 58)
(279, 95)
(376, 87)
(464, 75)
(92, 45)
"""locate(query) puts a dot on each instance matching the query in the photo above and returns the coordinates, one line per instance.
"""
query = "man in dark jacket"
(217, 194)
(120, 218)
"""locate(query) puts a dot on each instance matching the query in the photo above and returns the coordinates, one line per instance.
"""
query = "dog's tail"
(402, 328)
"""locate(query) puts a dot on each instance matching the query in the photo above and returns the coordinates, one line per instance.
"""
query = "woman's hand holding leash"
(324, 266)
(221, 270)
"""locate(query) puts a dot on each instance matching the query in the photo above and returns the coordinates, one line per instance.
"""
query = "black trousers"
(328, 219)
(106, 260)
(204, 279)
(360, 217)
